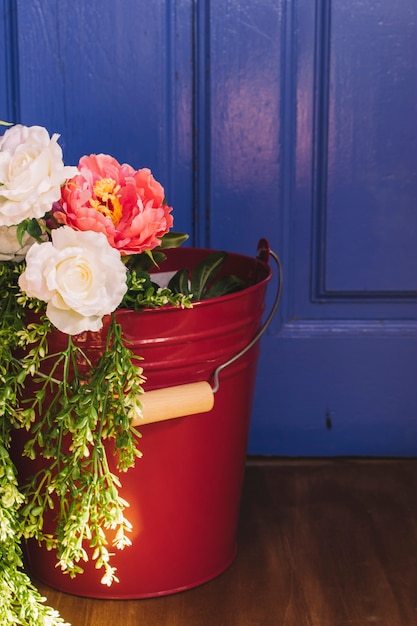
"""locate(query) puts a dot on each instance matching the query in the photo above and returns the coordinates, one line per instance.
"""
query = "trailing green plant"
(20, 601)
(88, 407)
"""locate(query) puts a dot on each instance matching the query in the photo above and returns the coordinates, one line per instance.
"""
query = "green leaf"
(34, 229)
(145, 261)
(204, 272)
(149, 259)
(20, 231)
(173, 239)
(225, 284)
(179, 282)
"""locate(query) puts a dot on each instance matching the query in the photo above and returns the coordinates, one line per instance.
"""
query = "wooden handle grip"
(164, 404)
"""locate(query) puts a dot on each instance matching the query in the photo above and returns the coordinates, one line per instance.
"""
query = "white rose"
(79, 275)
(10, 248)
(31, 173)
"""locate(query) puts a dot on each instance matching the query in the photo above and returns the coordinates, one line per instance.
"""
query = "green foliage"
(78, 415)
(153, 258)
(173, 239)
(183, 289)
(20, 601)
(32, 227)
(143, 293)
(86, 418)
(202, 284)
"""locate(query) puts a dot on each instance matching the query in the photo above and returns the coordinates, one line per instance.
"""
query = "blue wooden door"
(290, 119)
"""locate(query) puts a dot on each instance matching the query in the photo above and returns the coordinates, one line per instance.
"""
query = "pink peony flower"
(126, 205)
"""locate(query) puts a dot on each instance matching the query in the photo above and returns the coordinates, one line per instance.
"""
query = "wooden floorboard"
(321, 543)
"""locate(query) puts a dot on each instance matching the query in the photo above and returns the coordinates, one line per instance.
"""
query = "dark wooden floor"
(321, 543)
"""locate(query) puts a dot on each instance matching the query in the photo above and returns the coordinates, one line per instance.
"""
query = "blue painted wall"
(291, 119)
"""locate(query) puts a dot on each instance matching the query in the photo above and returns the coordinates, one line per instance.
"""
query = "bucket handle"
(264, 252)
(191, 398)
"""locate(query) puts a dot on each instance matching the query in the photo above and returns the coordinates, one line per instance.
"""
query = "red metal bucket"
(184, 493)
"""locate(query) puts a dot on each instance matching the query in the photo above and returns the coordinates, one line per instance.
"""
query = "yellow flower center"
(106, 200)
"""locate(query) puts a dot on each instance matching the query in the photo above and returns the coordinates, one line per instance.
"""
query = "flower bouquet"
(77, 244)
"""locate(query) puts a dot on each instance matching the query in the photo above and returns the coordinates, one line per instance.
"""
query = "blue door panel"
(290, 119)
(245, 122)
(85, 61)
(337, 371)
(370, 154)
(345, 396)
(355, 219)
